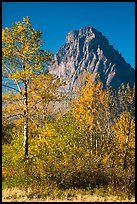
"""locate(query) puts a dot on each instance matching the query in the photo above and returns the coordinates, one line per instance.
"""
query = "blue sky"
(116, 20)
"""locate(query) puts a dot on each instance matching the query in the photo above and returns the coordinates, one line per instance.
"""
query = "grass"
(71, 195)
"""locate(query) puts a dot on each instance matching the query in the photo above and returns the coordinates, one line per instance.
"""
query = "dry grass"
(17, 195)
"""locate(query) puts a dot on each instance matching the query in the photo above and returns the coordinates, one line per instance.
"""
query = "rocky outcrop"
(87, 49)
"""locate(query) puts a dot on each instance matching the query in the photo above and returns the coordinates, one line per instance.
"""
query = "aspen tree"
(22, 60)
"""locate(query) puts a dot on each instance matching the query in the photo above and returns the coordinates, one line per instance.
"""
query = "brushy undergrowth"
(99, 181)
(62, 161)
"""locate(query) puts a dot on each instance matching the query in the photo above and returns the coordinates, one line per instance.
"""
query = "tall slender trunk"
(45, 112)
(126, 153)
(96, 146)
(25, 121)
(126, 149)
(91, 143)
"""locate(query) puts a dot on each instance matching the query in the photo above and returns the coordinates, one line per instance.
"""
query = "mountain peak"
(87, 49)
(86, 31)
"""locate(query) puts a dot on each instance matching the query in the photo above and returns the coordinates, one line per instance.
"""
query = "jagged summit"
(87, 49)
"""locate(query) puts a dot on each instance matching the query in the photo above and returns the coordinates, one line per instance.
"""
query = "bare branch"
(18, 87)
(11, 87)
(36, 103)
(33, 121)
(11, 116)
(6, 67)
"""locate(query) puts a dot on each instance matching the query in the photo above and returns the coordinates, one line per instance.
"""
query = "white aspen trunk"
(45, 112)
(96, 145)
(126, 150)
(91, 144)
(125, 154)
(25, 121)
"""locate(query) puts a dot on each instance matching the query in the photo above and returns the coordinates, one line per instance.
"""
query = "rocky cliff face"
(87, 49)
